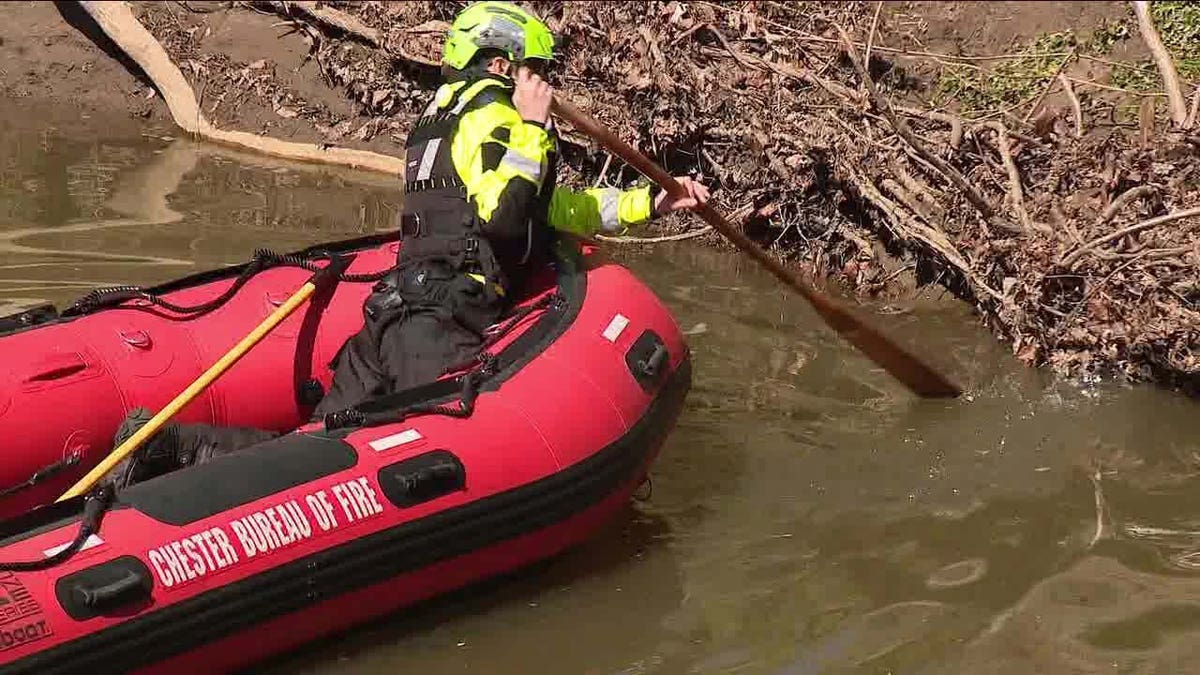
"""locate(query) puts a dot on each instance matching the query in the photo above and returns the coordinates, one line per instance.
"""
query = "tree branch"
(1162, 58)
(885, 107)
(1076, 109)
(1144, 225)
(330, 18)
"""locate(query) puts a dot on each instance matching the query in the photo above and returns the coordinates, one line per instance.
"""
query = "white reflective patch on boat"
(91, 542)
(389, 442)
(615, 328)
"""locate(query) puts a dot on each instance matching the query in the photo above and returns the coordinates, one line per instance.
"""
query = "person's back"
(480, 212)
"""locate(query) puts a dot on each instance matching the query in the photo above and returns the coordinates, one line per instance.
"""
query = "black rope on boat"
(263, 259)
(494, 335)
(41, 475)
(465, 407)
(93, 512)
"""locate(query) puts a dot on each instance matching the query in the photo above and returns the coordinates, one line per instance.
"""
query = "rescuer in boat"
(480, 212)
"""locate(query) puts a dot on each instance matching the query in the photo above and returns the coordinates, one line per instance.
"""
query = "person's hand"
(697, 194)
(532, 96)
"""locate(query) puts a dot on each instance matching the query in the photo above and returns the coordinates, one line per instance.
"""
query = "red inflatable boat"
(509, 460)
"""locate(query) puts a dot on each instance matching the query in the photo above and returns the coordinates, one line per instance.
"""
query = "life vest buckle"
(410, 225)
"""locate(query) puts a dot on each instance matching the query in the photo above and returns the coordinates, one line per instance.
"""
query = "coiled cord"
(263, 259)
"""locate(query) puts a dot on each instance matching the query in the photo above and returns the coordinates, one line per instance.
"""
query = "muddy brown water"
(807, 516)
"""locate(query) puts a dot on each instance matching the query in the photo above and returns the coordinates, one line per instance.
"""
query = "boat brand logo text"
(18, 607)
(263, 531)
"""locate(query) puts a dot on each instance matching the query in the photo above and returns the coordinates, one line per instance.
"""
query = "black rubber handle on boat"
(128, 588)
(651, 366)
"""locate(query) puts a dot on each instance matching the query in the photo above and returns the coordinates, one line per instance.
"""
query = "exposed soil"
(993, 27)
(911, 186)
(49, 66)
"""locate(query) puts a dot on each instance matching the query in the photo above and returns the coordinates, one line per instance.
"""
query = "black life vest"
(438, 221)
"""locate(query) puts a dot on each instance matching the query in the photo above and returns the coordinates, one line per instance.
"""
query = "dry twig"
(1076, 109)
(330, 18)
(871, 33)
(1099, 498)
(1046, 90)
(1138, 227)
(801, 74)
(901, 128)
(738, 216)
(955, 122)
(691, 234)
(1123, 199)
(1162, 58)
(1191, 120)
(906, 197)
(1015, 194)
(908, 227)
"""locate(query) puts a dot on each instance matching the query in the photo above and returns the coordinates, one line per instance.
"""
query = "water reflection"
(76, 214)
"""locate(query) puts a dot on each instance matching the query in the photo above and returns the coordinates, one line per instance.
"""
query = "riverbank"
(1022, 158)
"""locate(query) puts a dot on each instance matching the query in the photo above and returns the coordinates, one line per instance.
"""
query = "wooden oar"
(326, 275)
(917, 376)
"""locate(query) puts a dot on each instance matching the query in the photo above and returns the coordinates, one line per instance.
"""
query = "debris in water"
(958, 574)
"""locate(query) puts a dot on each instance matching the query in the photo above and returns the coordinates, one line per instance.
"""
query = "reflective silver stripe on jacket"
(610, 201)
(427, 157)
(523, 165)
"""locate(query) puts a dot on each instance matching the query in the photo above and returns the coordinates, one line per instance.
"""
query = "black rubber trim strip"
(229, 481)
(43, 519)
(342, 246)
(369, 560)
(208, 276)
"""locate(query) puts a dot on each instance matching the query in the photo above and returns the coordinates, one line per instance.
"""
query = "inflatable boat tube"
(509, 460)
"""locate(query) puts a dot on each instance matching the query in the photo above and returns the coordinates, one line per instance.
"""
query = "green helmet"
(497, 25)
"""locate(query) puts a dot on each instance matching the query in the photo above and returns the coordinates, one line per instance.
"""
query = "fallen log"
(329, 18)
(117, 21)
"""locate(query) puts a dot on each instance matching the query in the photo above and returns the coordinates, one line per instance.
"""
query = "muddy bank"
(1027, 164)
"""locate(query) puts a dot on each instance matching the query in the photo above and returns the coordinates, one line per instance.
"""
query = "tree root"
(1123, 199)
(328, 17)
(1162, 58)
(1015, 194)
(884, 106)
(800, 74)
(122, 27)
(906, 226)
(1076, 109)
(1192, 116)
(1069, 260)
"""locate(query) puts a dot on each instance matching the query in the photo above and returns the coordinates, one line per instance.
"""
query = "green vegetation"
(1179, 25)
(1022, 77)
(1139, 76)
(1106, 35)
(1013, 80)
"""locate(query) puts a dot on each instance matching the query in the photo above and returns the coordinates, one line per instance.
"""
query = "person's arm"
(502, 160)
(608, 210)
(612, 211)
(501, 152)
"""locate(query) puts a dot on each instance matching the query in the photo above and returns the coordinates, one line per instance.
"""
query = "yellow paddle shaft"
(208, 377)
